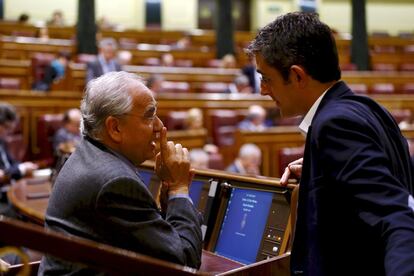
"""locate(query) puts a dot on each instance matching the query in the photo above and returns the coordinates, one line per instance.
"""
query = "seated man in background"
(240, 85)
(199, 159)
(106, 61)
(69, 133)
(54, 72)
(248, 160)
(10, 168)
(255, 119)
(194, 119)
(99, 194)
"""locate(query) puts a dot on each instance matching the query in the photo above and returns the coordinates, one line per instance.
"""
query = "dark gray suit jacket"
(99, 196)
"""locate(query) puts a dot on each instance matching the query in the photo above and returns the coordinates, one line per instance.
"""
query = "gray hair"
(108, 95)
(249, 150)
(108, 42)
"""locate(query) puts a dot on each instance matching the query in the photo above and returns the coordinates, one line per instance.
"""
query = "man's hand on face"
(172, 165)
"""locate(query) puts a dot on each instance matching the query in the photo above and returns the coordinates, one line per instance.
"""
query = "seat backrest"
(175, 120)
(152, 61)
(223, 126)
(39, 63)
(183, 63)
(47, 125)
(287, 155)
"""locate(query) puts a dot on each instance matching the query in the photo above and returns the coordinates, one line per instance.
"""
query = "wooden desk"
(195, 76)
(30, 197)
(17, 69)
(24, 47)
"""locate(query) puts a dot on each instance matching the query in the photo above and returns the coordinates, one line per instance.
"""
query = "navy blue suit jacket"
(353, 212)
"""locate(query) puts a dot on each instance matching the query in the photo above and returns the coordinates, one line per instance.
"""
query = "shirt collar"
(307, 120)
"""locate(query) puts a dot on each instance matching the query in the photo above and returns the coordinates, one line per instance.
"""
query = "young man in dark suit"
(99, 194)
(356, 209)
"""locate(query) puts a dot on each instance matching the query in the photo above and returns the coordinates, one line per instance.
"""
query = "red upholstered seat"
(39, 63)
(152, 61)
(175, 120)
(287, 155)
(223, 126)
(215, 161)
(408, 88)
(183, 63)
(47, 125)
(407, 67)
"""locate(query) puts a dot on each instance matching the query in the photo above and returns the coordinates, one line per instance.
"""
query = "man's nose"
(158, 124)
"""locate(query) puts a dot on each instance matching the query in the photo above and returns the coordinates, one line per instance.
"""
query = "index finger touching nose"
(163, 140)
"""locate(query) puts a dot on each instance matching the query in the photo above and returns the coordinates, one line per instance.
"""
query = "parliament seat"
(47, 125)
(287, 155)
(39, 63)
(407, 67)
(408, 88)
(175, 120)
(223, 126)
(152, 61)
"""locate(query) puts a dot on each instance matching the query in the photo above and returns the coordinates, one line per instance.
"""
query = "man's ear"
(298, 76)
(113, 129)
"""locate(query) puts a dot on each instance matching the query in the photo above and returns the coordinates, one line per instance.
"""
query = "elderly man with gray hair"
(99, 193)
(106, 60)
(248, 160)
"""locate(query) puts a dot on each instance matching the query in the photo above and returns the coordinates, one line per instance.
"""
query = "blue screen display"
(195, 191)
(243, 225)
(146, 177)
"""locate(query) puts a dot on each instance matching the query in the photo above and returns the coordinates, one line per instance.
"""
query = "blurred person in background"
(255, 119)
(248, 161)
(106, 61)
